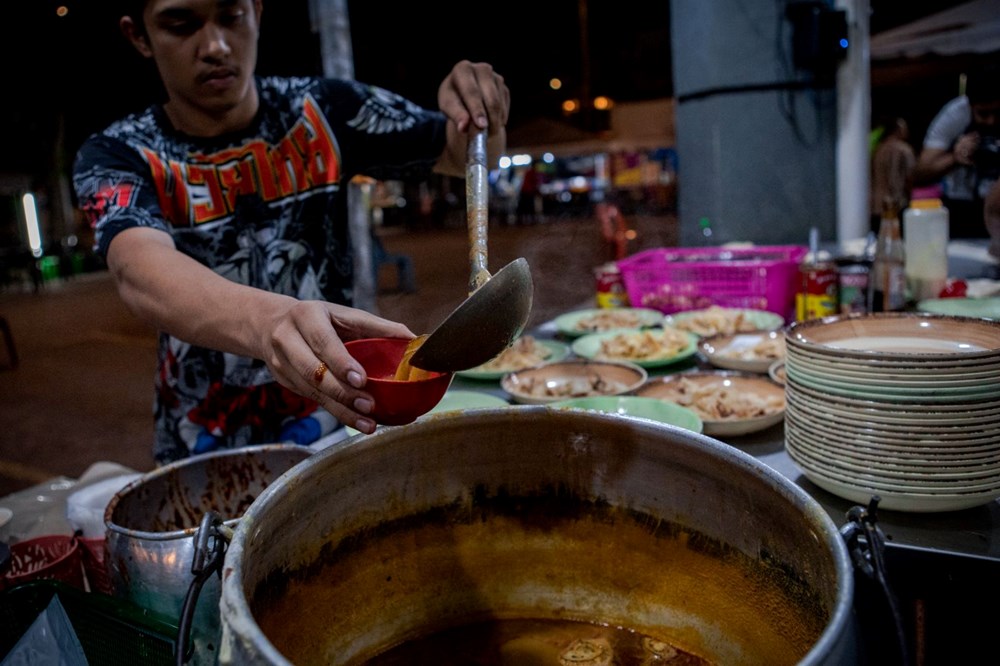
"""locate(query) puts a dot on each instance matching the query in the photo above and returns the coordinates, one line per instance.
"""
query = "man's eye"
(181, 27)
(234, 17)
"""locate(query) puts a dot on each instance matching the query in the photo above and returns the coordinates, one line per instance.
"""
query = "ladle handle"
(477, 208)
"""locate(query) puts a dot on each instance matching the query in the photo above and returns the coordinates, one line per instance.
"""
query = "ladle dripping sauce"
(406, 372)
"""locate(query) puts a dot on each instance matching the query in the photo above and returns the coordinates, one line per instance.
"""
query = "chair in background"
(9, 342)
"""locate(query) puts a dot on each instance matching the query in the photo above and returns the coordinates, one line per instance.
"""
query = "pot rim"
(238, 619)
(168, 469)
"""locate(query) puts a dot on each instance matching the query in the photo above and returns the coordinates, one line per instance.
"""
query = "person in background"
(222, 215)
(991, 213)
(529, 202)
(961, 150)
(892, 167)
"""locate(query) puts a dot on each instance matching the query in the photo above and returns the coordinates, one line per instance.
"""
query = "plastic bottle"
(925, 236)
(887, 287)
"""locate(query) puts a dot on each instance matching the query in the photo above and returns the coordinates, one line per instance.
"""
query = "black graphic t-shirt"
(266, 208)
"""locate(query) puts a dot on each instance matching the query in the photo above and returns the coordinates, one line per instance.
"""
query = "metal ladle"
(497, 308)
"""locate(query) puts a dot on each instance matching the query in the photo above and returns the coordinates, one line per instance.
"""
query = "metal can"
(853, 275)
(610, 287)
(818, 287)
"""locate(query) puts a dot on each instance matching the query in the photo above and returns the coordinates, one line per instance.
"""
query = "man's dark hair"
(983, 84)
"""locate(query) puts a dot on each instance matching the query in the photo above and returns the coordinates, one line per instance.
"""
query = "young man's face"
(986, 115)
(205, 51)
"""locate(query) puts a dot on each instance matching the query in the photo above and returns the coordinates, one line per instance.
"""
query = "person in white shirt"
(961, 150)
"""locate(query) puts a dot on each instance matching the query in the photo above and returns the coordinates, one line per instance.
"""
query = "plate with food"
(728, 403)
(637, 407)
(755, 351)
(602, 320)
(716, 320)
(525, 352)
(574, 378)
(649, 348)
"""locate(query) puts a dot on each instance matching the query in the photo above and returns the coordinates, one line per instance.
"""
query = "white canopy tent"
(969, 28)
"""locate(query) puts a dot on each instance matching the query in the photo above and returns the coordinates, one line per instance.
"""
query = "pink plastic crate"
(677, 279)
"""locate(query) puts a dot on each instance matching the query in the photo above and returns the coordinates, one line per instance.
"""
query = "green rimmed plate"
(557, 352)
(602, 320)
(987, 307)
(592, 346)
(718, 320)
(643, 408)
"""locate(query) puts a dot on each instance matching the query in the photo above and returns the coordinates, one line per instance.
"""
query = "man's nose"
(215, 44)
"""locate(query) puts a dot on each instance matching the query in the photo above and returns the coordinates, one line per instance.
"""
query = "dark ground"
(83, 389)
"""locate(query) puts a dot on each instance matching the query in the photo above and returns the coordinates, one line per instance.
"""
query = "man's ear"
(135, 35)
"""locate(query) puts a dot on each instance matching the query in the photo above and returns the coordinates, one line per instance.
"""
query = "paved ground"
(83, 389)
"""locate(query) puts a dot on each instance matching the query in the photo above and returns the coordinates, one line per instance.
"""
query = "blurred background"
(629, 96)
(701, 122)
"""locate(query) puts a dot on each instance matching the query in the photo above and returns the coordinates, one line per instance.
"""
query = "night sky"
(80, 70)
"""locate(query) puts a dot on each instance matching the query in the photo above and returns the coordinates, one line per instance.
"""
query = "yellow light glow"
(62, 10)
(555, 83)
(570, 106)
(602, 103)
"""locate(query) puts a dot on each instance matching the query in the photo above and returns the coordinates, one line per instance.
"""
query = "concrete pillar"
(854, 125)
(755, 135)
(331, 21)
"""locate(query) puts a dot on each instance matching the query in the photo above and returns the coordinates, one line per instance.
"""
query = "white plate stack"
(903, 406)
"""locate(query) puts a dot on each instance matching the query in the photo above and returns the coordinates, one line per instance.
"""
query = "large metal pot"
(151, 524)
(532, 512)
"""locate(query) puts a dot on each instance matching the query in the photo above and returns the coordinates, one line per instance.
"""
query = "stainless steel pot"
(541, 513)
(151, 524)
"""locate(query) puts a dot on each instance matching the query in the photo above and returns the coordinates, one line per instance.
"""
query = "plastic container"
(677, 279)
(925, 240)
(52, 557)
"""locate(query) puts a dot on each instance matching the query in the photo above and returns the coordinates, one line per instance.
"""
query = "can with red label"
(610, 287)
(853, 279)
(818, 288)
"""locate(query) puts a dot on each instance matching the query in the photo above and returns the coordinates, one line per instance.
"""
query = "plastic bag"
(49, 641)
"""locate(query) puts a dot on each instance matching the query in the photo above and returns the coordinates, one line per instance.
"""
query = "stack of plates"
(904, 406)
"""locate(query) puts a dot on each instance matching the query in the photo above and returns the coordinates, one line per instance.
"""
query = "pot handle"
(210, 543)
(866, 545)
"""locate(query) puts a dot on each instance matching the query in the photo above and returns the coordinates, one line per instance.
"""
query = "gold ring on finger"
(319, 372)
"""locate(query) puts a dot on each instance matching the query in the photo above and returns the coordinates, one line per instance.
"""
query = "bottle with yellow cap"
(925, 239)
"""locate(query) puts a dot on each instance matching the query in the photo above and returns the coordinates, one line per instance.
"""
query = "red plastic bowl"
(396, 402)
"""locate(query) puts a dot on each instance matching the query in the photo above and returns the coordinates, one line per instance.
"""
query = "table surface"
(968, 533)
(971, 533)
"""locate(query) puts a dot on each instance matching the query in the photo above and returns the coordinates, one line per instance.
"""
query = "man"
(892, 164)
(222, 217)
(960, 151)
(991, 211)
